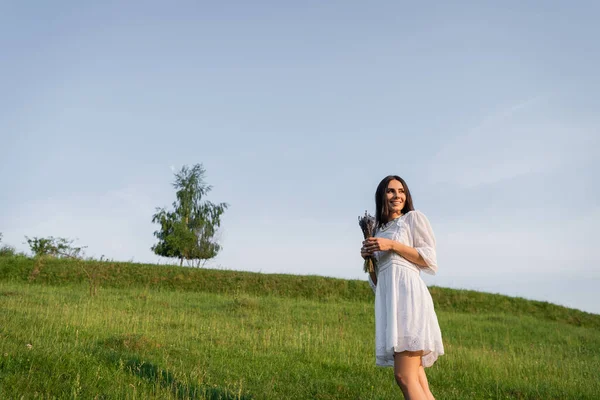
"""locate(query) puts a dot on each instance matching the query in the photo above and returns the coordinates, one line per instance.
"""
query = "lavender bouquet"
(367, 225)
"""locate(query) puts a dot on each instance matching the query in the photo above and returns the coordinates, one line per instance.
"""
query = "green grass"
(177, 333)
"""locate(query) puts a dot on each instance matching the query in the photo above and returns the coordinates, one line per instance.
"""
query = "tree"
(54, 247)
(61, 248)
(188, 231)
(6, 250)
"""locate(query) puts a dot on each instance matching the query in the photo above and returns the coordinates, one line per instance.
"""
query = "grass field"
(206, 334)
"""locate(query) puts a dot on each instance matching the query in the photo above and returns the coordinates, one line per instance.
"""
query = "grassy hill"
(169, 332)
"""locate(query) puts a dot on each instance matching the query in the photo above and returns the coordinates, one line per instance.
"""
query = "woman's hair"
(382, 209)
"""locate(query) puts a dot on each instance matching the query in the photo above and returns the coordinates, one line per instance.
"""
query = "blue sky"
(297, 110)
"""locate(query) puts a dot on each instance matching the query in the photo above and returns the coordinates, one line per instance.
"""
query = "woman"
(407, 333)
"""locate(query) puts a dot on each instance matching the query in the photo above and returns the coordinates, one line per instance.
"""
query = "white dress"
(405, 319)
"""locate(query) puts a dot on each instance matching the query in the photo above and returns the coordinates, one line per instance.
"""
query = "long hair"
(382, 209)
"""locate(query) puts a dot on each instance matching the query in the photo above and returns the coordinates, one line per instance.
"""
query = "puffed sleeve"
(373, 286)
(424, 241)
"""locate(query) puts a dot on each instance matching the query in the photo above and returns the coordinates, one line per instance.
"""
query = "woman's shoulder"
(414, 214)
(416, 217)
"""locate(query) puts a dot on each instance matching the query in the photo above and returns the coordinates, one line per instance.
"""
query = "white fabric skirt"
(405, 319)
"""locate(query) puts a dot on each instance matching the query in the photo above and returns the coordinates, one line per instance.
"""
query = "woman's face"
(395, 197)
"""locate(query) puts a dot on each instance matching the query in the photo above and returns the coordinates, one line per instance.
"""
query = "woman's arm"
(381, 244)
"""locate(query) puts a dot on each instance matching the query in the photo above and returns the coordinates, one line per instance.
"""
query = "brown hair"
(382, 211)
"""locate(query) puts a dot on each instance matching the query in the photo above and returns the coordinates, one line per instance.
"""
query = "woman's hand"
(364, 253)
(374, 244)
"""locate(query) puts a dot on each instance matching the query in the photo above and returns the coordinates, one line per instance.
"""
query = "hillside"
(126, 275)
(171, 332)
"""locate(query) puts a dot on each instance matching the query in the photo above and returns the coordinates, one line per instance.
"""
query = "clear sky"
(297, 110)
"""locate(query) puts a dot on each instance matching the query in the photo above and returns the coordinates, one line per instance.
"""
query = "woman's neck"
(395, 215)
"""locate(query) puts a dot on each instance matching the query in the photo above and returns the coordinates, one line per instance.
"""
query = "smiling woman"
(407, 332)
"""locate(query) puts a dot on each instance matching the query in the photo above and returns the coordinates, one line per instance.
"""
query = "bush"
(54, 247)
(7, 251)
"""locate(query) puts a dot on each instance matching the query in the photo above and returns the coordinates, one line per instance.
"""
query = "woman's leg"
(406, 372)
(424, 383)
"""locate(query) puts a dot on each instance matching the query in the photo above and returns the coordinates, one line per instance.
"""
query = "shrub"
(7, 251)
(54, 247)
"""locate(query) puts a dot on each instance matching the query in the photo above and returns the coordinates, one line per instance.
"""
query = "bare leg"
(424, 383)
(406, 372)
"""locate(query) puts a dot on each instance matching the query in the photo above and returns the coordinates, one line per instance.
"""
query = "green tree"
(188, 231)
(54, 247)
(6, 250)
